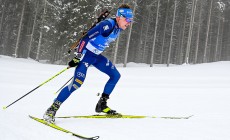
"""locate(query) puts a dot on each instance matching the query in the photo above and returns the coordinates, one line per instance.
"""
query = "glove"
(69, 51)
(74, 62)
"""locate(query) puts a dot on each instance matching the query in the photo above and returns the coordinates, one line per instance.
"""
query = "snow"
(202, 90)
(47, 28)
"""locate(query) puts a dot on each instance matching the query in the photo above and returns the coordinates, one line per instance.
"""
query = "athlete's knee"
(116, 76)
(75, 84)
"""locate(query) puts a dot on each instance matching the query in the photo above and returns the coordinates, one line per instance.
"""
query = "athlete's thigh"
(105, 65)
(81, 69)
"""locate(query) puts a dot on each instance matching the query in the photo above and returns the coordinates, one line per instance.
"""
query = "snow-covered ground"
(201, 90)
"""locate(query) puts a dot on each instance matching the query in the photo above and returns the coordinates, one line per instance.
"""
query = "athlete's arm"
(104, 28)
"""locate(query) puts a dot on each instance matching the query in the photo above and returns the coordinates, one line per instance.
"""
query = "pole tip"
(4, 108)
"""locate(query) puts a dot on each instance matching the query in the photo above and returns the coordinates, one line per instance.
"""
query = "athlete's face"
(123, 23)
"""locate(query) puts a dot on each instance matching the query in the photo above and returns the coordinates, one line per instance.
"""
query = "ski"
(62, 129)
(97, 116)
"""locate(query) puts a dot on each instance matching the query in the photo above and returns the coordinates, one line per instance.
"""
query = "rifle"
(101, 17)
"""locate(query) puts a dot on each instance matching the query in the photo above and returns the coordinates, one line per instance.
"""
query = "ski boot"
(49, 115)
(102, 106)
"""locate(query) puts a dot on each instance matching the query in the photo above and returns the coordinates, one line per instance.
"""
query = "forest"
(163, 31)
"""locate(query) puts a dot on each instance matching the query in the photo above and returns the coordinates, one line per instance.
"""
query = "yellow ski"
(62, 129)
(124, 117)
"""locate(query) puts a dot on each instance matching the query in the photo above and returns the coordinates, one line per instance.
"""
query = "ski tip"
(95, 138)
(4, 108)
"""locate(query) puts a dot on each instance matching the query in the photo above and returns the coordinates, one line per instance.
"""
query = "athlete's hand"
(74, 62)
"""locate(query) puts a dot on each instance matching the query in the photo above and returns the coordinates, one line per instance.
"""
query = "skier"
(89, 53)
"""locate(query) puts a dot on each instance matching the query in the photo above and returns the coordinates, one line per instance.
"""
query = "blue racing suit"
(91, 47)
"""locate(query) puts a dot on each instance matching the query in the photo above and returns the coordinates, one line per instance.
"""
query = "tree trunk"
(3, 12)
(129, 35)
(140, 44)
(190, 31)
(207, 34)
(198, 36)
(115, 51)
(116, 48)
(1, 36)
(217, 39)
(40, 36)
(32, 34)
(163, 43)
(19, 30)
(155, 34)
(221, 42)
(146, 37)
(171, 39)
(182, 39)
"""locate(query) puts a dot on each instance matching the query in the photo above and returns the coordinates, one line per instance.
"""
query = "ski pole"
(5, 107)
(63, 85)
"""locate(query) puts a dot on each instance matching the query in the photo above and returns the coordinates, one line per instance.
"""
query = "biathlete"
(88, 53)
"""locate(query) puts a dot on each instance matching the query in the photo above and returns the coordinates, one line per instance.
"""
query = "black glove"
(74, 62)
(69, 51)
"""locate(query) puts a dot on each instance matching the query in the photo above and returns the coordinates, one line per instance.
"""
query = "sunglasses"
(129, 20)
